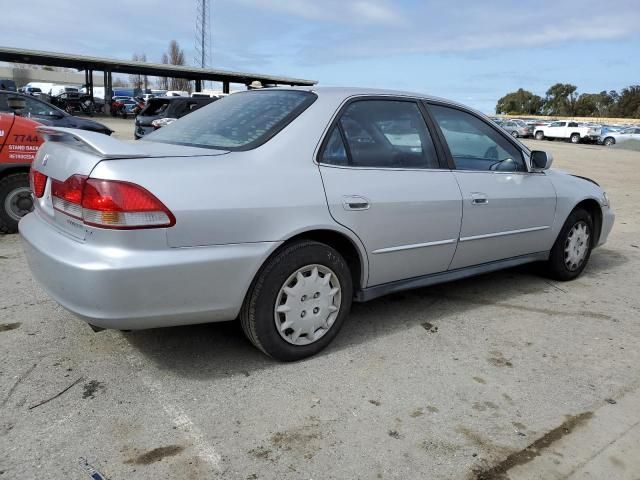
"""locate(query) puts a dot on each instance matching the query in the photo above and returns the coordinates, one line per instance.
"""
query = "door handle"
(479, 199)
(355, 202)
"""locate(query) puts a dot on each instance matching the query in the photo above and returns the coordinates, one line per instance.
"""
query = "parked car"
(518, 128)
(281, 206)
(19, 142)
(33, 91)
(610, 138)
(50, 114)
(567, 130)
(162, 111)
(6, 84)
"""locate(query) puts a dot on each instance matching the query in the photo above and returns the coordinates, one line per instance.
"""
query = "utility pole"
(203, 33)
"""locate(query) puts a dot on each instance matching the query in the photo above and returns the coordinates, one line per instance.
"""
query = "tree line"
(562, 99)
(173, 56)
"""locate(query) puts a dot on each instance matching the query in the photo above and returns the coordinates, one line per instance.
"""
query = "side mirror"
(541, 160)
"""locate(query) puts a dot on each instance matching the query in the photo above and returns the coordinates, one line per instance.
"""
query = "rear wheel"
(15, 201)
(539, 135)
(572, 249)
(298, 302)
(574, 138)
(609, 141)
(514, 134)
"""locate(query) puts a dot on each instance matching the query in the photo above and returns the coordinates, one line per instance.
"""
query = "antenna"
(203, 34)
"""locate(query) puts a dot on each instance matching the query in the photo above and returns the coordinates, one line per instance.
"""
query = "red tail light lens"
(110, 203)
(113, 204)
(67, 195)
(38, 182)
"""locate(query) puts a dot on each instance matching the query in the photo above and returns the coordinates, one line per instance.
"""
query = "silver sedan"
(280, 207)
(611, 138)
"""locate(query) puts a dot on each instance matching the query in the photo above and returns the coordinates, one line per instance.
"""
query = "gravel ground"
(449, 382)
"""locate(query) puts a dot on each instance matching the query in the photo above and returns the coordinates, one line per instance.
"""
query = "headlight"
(605, 200)
(162, 122)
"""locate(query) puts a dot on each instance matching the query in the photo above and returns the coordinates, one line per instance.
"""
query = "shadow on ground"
(220, 349)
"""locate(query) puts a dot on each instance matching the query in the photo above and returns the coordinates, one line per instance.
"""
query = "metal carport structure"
(109, 66)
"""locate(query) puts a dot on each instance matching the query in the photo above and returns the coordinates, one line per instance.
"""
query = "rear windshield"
(240, 121)
(155, 107)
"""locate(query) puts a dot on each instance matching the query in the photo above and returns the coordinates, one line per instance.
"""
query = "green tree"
(561, 99)
(520, 102)
(628, 104)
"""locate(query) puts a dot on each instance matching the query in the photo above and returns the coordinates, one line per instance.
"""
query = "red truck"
(19, 142)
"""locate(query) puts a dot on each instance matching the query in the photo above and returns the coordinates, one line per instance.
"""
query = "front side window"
(382, 134)
(240, 121)
(474, 144)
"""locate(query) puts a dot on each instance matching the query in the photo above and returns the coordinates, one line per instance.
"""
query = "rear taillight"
(38, 182)
(110, 203)
(113, 204)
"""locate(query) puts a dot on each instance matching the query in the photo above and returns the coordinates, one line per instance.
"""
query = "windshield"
(238, 122)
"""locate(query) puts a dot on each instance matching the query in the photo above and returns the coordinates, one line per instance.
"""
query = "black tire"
(539, 135)
(514, 134)
(12, 190)
(257, 315)
(609, 141)
(574, 138)
(557, 264)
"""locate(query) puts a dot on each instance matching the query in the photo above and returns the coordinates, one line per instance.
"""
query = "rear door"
(6, 122)
(507, 210)
(384, 181)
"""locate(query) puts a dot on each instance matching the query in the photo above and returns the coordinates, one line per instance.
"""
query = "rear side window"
(240, 121)
(382, 134)
(155, 107)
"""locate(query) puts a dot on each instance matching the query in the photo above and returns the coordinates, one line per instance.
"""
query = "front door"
(384, 181)
(507, 210)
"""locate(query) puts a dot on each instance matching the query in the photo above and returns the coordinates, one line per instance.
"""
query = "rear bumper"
(137, 289)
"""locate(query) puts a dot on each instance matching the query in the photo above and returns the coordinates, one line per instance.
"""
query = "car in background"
(610, 138)
(19, 142)
(50, 114)
(6, 84)
(517, 128)
(281, 206)
(33, 91)
(162, 111)
(567, 130)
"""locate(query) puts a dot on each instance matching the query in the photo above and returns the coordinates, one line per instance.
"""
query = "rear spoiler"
(103, 145)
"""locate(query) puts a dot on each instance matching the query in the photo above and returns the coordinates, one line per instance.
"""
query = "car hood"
(86, 124)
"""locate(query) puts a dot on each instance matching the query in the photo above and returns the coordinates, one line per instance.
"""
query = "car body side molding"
(369, 293)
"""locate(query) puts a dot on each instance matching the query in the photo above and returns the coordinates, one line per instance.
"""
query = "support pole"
(225, 87)
(198, 85)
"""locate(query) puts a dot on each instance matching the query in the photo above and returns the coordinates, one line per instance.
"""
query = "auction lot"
(448, 382)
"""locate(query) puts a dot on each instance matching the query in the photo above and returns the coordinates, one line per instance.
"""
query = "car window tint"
(3, 103)
(237, 122)
(334, 152)
(34, 107)
(474, 144)
(387, 134)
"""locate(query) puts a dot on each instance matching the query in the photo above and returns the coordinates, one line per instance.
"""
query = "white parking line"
(178, 417)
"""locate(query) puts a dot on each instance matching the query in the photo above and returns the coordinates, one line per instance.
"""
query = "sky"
(471, 51)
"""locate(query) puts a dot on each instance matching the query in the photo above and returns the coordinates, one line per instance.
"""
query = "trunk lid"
(67, 152)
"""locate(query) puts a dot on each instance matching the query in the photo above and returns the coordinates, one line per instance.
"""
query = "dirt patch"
(375, 402)
(521, 457)
(429, 327)
(394, 434)
(91, 388)
(155, 455)
(497, 359)
(5, 327)
(480, 380)
(418, 412)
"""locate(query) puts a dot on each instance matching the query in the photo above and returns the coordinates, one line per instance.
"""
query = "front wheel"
(572, 249)
(514, 134)
(539, 135)
(298, 301)
(15, 201)
(609, 141)
(575, 138)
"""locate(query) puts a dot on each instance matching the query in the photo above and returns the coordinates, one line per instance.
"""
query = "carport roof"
(82, 62)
